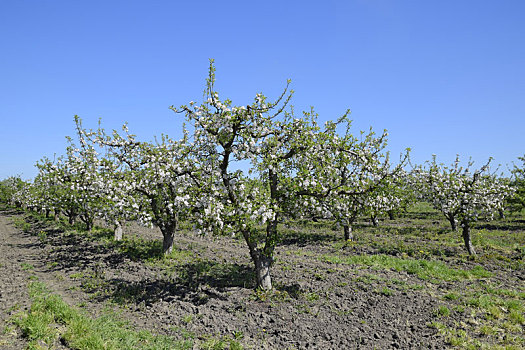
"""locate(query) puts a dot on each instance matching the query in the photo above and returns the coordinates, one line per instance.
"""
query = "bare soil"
(209, 291)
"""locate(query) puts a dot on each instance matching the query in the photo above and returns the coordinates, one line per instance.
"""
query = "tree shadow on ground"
(396, 230)
(196, 282)
(72, 251)
(293, 290)
(138, 249)
(514, 225)
(302, 239)
(83, 249)
(92, 256)
(422, 215)
(34, 245)
(11, 211)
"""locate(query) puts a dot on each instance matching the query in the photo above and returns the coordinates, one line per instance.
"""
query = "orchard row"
(239, 167)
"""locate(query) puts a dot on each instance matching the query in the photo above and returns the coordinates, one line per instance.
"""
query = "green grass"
(221, 343)
(21, 224)
(139, 248)
(386, 291)
(492, 317)
(442, 311)
(51, 320)
(451, 296)
(477, 310)
(26, 266)
(424, 269)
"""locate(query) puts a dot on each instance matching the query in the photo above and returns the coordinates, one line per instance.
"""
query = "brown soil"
(317, 306)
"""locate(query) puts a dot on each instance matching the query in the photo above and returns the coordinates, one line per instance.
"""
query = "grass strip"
(424, 269)
(52, 320)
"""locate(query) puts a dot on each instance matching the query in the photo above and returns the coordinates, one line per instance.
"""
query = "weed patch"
(424, 269)
(50, 321)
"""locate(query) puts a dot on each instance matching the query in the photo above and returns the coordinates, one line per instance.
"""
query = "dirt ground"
(209, 291)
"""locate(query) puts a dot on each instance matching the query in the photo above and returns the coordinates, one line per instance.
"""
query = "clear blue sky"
(443, 77)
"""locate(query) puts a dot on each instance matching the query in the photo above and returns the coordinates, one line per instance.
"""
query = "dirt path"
(16, 249)
(22, 259)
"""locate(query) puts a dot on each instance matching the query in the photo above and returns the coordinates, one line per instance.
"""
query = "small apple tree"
(343, 175)
(464, 194)
(8, 188)
(517, 201)
(80, 172)
(382, 200)
(118, 201)
(154, 182)
(265, 135)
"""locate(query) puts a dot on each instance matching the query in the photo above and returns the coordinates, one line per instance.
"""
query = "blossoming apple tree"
(264, 134)
(464, 194)
(388, 197)
(8, 187)
(46, 187)
(517, 201)
(155, 182)
(343, 175)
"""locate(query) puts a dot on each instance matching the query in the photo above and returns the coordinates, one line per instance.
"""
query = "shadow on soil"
(302, 239)
(515, 225)
(92, 255)
(423, 215)
(194, 283)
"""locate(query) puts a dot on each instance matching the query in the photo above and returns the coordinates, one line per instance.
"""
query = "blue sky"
(444, 77)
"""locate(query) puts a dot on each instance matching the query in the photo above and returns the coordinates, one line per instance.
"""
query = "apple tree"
(464, 194)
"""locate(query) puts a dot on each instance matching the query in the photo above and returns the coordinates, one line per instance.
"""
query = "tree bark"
(262, 272)
(167, 242)
(168, 233)
(118, 231)
(452, 221)
(88, 221)
(467, 239)
(72, 218)
(263, 260)
(166, 221)
(391, 215)
(347, 229)
(374, 220)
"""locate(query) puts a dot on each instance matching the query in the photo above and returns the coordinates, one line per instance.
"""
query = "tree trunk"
(501, 214)
(262, 272)
(48, 211)
(56, 214)
(374, 220)
(168, 234)
(467, 240)
(118, 230)
(391, 214)
(88, 221)
(263, 259)
(167, 222)
(167, 243)
(348, 232)
(452, 221)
